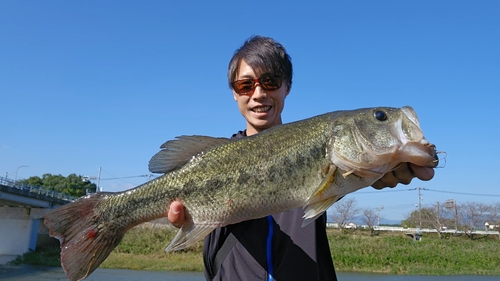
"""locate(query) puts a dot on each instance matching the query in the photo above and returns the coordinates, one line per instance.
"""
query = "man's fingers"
(423, 173)
(404, 174)
(176, 214)
(388, 180)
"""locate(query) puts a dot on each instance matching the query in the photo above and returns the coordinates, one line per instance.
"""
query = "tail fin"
(81, 232)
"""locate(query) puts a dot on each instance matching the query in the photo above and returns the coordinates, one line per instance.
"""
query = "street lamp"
(15, 177)
(98, 178)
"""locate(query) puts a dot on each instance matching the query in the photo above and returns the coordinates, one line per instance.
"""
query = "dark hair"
(264, 55)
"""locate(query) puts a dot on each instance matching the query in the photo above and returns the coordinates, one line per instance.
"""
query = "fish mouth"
(261, 109)
(421, 153)
(416, 149)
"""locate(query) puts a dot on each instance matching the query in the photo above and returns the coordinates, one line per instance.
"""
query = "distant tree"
(416, 219)
(436, 217)
(72, 185)
(494, 217)
(471, 215)
(409, 220)
(344, 211)
(412, 220)
(369, 218)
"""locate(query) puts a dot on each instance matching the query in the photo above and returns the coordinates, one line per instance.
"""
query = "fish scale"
(309, 163)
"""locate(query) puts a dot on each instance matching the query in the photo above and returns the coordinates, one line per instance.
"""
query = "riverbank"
(45, 273)
(355, 251)
(42, 273)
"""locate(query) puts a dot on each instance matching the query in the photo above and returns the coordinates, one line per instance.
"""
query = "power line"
(462, 193)
(122, 178)
(116, 178)
(432, 190)
(393, 207)
(385, 191)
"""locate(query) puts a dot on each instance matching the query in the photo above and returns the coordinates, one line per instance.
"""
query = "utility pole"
(451, 204)
(378, 214)
(419, 207)
(99, 180)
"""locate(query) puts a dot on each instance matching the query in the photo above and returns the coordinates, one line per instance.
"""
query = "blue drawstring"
(269, 249)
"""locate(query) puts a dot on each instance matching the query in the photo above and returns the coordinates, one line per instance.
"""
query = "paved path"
(31, 273)
(44, 273)
(4, 259)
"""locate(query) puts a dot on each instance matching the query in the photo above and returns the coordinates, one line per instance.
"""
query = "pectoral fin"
(189, 234)
(323, 186)
(316, 203)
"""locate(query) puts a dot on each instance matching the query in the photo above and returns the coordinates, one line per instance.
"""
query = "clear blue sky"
(85, 84)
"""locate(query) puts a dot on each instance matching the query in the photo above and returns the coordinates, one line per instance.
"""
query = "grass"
(144, 248)
(393, 253)
(43, 256)
(398, 254)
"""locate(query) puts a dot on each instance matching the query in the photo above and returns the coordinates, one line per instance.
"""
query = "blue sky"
(92, 84)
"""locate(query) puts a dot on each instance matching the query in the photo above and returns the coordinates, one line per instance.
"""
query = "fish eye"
(380, 115)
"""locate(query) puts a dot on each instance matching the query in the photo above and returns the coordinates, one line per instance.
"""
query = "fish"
(310, 163)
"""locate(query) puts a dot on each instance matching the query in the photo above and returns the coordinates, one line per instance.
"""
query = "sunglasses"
(247, 86)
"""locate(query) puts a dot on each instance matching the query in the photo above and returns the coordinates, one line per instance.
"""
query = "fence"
(36, 190)
(413, 230)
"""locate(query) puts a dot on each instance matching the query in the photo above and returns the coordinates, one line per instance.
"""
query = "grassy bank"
(395, 253)
(398, 254)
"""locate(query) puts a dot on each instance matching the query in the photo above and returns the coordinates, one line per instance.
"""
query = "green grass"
(43, 256)
(398, 254)
(394, 253)
(144, 248)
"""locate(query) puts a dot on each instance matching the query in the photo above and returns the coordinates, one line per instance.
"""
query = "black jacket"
(299, 253)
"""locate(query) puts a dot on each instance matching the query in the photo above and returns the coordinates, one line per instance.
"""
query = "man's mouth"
(261, 109)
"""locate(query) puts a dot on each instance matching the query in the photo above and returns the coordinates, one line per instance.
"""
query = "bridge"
(21, 213)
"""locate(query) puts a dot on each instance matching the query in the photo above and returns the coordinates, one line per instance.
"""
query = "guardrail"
(36, 190)
(428, 230)
(6, 182)
(422, 230)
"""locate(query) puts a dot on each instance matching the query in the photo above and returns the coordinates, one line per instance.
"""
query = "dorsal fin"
(175, 153)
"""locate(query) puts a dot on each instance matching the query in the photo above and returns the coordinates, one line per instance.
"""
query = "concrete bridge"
(21, 214)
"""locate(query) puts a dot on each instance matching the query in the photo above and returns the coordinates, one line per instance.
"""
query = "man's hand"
(404, 174)
(176, 214)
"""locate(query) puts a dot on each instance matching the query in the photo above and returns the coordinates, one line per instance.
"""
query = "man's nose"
(259, 93)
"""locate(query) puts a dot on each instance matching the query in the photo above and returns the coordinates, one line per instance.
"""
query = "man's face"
(262, 109)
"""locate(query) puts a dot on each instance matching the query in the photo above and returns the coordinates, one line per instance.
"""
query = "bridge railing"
(6, 182)
(36, 189)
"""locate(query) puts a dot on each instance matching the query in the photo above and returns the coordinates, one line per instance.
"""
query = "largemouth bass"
(310, 163)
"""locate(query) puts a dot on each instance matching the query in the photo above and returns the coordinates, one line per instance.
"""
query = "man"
(276, 247)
